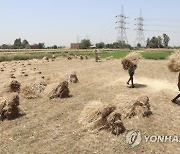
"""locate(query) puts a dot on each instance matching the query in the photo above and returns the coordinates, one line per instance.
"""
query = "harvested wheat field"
(98, 111)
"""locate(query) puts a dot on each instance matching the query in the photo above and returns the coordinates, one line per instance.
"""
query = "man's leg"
(174, 100)
(132, 82)
(129, 80)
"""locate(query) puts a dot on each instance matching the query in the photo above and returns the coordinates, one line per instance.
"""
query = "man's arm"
(179, 82)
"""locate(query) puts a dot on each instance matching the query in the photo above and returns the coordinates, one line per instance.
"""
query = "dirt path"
(153, 84)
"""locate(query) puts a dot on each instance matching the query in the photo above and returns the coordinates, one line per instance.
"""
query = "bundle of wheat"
(96, 51)
(81, 57)
(60, 91)
(45, 58)
(126, 63)
(100, 116)
(9, 107)
(73, 78)
(174, 62)
(34, 89)
(140, 107)
(131, 60)
(85, 57)
(134, 56)
(115, 124)
(14, 86)
(69, 58)
(53, 57)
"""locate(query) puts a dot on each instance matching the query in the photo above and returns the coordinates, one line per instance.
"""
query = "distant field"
(9, 55)
(156, 55)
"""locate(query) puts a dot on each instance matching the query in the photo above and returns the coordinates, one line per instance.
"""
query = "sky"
(61, 22)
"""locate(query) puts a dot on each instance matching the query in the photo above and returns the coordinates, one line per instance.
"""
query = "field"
(51, 126)
(21, 54)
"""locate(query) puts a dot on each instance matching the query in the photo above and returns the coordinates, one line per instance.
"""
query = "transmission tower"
(140, 39)
(121, 21)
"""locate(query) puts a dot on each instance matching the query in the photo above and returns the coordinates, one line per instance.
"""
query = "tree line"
(19, 44)
(154, 42)
(158, 42)
(86, 44)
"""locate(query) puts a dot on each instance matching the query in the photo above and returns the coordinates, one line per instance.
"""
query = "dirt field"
(51, 126)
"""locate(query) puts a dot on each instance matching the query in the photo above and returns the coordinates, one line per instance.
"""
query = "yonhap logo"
(133, 138)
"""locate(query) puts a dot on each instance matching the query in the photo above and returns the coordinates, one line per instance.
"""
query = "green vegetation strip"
(25, 56)
(156, 55)
(116, 54)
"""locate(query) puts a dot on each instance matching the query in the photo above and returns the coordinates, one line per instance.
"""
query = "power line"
(104, 30)
(153, 25)
(105, 26)
(162, 20)
(153, 30)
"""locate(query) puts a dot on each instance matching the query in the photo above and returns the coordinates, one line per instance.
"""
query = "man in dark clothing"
(131, 72)
(174, 100)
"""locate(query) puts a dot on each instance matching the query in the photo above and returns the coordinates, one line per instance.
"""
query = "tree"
(109, 46)
(159, 39)
(54, 47)
(5, 46)
(153, 42)
(148, 43)
(41, 46)
(117, 45)
(25, 43)
(166, 40)
(100, 45)
(17, 43)
(85, 44)
(139, 45)
(34, 46)
(121, 44)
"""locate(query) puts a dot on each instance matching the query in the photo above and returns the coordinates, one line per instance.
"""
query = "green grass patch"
(105, 54)
(116, 54)
(156, 55)
(26, 56)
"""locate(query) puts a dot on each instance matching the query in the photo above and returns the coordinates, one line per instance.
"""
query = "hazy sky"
(60, 22)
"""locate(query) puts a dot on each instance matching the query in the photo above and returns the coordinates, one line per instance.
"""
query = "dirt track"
(51, 126)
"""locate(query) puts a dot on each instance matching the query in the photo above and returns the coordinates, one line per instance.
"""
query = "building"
(75, 45)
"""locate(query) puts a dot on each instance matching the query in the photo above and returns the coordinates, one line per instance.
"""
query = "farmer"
(131, 72)
(178, 96)
(97, 59)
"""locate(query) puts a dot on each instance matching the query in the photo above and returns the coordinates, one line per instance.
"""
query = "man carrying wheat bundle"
(131, 72)
(129, 63)
(131, 67)
(178, 96)
(174, 66)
